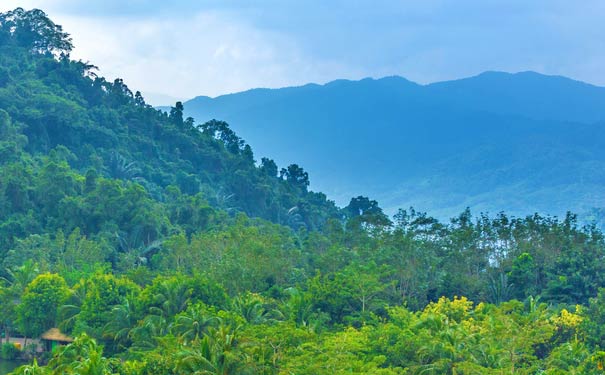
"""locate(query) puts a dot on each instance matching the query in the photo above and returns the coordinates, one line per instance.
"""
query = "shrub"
(9, 351)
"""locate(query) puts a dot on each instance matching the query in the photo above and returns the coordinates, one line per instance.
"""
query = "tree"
(123, 319)
(522, 276)
(220, 130)
(11, 139)
(83, 357)
(366, 283)
(20, 277)
(363, 211)
(39, 305)
(296, 176)
(167, 296)
(33, 29)
(103, 293)
(7, 312)
(194, 323)
(11, 291)
(593, 324)
(139, 100)
(350, 293)
(176, 114)
(215, 354)
(268, 167)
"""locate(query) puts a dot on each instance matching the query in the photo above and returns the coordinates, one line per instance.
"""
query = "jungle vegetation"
(163, 247)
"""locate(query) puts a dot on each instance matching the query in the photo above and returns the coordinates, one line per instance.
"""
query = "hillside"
(54, 103)
(162, 248)
(520, 142)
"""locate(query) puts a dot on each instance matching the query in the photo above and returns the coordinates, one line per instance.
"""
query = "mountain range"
(522, 142)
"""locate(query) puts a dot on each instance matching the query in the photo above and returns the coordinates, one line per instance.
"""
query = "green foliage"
(34, 30)
(163, 244)
(523, 274)
(102, 133)
(33, 369)
(593, 325)
(103, 293)
(9, 351)
(83, 356)
(40, 302)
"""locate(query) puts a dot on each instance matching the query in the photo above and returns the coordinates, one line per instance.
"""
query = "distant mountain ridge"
(520, 142)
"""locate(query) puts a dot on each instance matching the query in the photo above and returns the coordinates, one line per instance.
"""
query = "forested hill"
(60, 108)
(522, 142)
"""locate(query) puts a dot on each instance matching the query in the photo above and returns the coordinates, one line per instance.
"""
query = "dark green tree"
(33, 29)
(295, 176)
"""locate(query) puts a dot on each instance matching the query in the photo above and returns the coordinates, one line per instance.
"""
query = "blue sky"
(181, 49)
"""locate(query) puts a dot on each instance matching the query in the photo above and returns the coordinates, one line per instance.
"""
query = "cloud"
(182, 55)
(186, 48)
(209, 52)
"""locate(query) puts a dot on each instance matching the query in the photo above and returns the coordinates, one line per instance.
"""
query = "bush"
(9, 351)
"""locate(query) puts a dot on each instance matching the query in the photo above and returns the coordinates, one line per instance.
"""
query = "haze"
(181, 49)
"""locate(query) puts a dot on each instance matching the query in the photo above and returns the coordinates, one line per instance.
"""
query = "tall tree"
(36, 31)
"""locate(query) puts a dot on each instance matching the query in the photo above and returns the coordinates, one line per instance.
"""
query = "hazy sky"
(181, 49)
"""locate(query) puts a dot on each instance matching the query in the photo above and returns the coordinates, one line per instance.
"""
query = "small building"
(53, 338)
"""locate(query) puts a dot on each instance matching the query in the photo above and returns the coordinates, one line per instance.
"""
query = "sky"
(179, 49)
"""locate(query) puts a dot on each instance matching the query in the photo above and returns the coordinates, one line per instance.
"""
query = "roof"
(54, 334)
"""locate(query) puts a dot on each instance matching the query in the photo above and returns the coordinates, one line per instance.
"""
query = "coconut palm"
(193, 323)
(123, 318)
(19, 278)
(145, 336)
(172, 297)
(216, 353)
(251, 307)
(82, 357)
(70, 311)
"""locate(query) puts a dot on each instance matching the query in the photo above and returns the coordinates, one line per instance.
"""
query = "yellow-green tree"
(37, 311)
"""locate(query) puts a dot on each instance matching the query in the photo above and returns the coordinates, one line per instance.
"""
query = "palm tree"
(123, 319)
(20, 277)
(443, 346)
(223, 200)
(197, 360)
(120, 168)
(135, 248)
(146, 335)
(251, 307)
(172, 298)
(294, 219)
(499, 288)
(82, 357)
(298, 308)
(70, 312)
(215, 354)
(192, 324)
